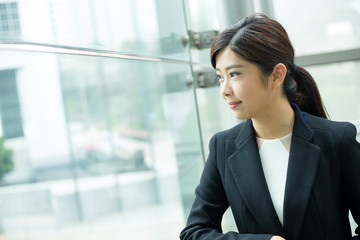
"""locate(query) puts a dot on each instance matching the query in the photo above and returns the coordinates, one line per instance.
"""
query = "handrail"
(62, 49)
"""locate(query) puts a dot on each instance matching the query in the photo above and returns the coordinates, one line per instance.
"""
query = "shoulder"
(339, 129)
(326, 124)
(225, 140)
(231, 133)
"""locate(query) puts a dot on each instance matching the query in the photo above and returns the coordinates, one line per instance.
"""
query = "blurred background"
(107, 107)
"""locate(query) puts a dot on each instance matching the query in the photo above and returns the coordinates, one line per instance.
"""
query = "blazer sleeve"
(204, 221)
(351, 174)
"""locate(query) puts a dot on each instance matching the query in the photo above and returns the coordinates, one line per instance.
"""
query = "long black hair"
(264, 42)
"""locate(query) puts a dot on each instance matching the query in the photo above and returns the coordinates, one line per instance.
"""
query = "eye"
(219, 77)
(234, 74)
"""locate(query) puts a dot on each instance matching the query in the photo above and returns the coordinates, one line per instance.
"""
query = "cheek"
(243, 89)
(250, 92)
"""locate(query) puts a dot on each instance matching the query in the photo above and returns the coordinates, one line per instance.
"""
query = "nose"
(225, 88)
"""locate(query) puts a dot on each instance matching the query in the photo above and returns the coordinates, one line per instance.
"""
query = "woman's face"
(242, 87)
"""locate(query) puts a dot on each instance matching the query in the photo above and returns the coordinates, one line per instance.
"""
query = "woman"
(286, 172)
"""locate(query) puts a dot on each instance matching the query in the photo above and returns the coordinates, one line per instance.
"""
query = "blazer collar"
(245, 166)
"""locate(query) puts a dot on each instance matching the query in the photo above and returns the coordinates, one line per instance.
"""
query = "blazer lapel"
(302, 168)
(245, 166)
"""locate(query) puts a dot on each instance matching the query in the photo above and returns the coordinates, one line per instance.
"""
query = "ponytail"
(302, 90)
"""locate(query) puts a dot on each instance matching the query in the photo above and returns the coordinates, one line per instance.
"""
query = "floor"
(152, 222)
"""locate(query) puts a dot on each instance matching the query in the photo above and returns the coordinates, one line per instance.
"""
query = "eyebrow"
(231, 66)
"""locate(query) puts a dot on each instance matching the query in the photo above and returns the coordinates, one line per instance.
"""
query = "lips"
(234, 104)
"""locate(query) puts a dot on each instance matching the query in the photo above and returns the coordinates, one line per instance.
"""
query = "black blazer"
(323, 183)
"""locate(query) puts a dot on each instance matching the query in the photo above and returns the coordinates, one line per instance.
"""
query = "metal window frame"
(329, 57)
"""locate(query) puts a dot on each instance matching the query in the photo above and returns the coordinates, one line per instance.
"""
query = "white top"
(274, 155)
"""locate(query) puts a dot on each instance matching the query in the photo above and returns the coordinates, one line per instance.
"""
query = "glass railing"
(109, 145)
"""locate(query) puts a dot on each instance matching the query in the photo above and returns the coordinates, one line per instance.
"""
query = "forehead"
(226, 57)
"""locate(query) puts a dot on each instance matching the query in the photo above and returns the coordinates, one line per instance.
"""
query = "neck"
(278, 121)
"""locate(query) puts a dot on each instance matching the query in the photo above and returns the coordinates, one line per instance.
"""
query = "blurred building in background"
(108, 106)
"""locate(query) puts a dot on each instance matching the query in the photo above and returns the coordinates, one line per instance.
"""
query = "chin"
(241, 116)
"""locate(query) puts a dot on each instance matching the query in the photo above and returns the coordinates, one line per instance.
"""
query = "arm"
(204, 222)
(351, 174)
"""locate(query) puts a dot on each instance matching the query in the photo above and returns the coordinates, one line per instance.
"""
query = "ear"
(278, 75)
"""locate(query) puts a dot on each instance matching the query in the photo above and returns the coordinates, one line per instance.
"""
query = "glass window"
(202, 16)
(130, 26)
(340, 89)
(111, 149)
(320, 26)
